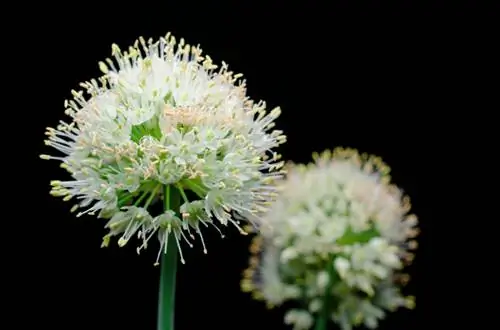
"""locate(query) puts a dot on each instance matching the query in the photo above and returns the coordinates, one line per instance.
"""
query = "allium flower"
(164, 117)
(338, 243)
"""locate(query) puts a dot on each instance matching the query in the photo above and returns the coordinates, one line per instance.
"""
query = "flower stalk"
(166, 299)
(327, 305)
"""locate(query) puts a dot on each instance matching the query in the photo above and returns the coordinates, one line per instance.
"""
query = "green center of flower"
(297, 269)
(148, 128)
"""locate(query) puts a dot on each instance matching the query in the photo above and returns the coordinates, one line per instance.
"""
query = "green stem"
(183, 194)
(166, 300)
(152, 196)
(197, 189)
(326, 308)
(124, 199)
(139, 200)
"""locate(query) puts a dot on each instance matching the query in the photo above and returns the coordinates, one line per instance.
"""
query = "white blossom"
(300, 319)
(161, 117)
(339, 238)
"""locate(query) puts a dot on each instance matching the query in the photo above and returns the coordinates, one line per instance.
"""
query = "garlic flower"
(163, 116)
(337, 243)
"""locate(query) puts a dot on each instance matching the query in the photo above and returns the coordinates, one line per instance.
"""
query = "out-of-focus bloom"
(338, 239)
(163, 116)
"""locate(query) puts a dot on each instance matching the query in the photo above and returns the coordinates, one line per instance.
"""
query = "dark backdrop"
(370, 77)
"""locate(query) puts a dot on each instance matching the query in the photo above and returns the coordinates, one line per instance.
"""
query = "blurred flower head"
(339, 237)
(161, 117)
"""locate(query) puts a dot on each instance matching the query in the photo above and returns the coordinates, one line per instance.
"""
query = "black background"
(374, 77)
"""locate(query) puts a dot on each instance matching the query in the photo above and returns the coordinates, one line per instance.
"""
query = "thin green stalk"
(196, 188)
(322, 320)
(183, 194)
(124, 199)
(166, 300)
(139, 200)
(152, 196)
(327, 308)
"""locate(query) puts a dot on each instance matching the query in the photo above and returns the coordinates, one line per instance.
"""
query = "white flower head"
(339, 235)
(164, 117)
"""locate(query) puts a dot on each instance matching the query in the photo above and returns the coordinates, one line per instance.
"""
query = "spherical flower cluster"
(163, 117)
(338, 240)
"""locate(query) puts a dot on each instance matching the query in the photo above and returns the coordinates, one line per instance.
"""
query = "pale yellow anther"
(103, 67)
